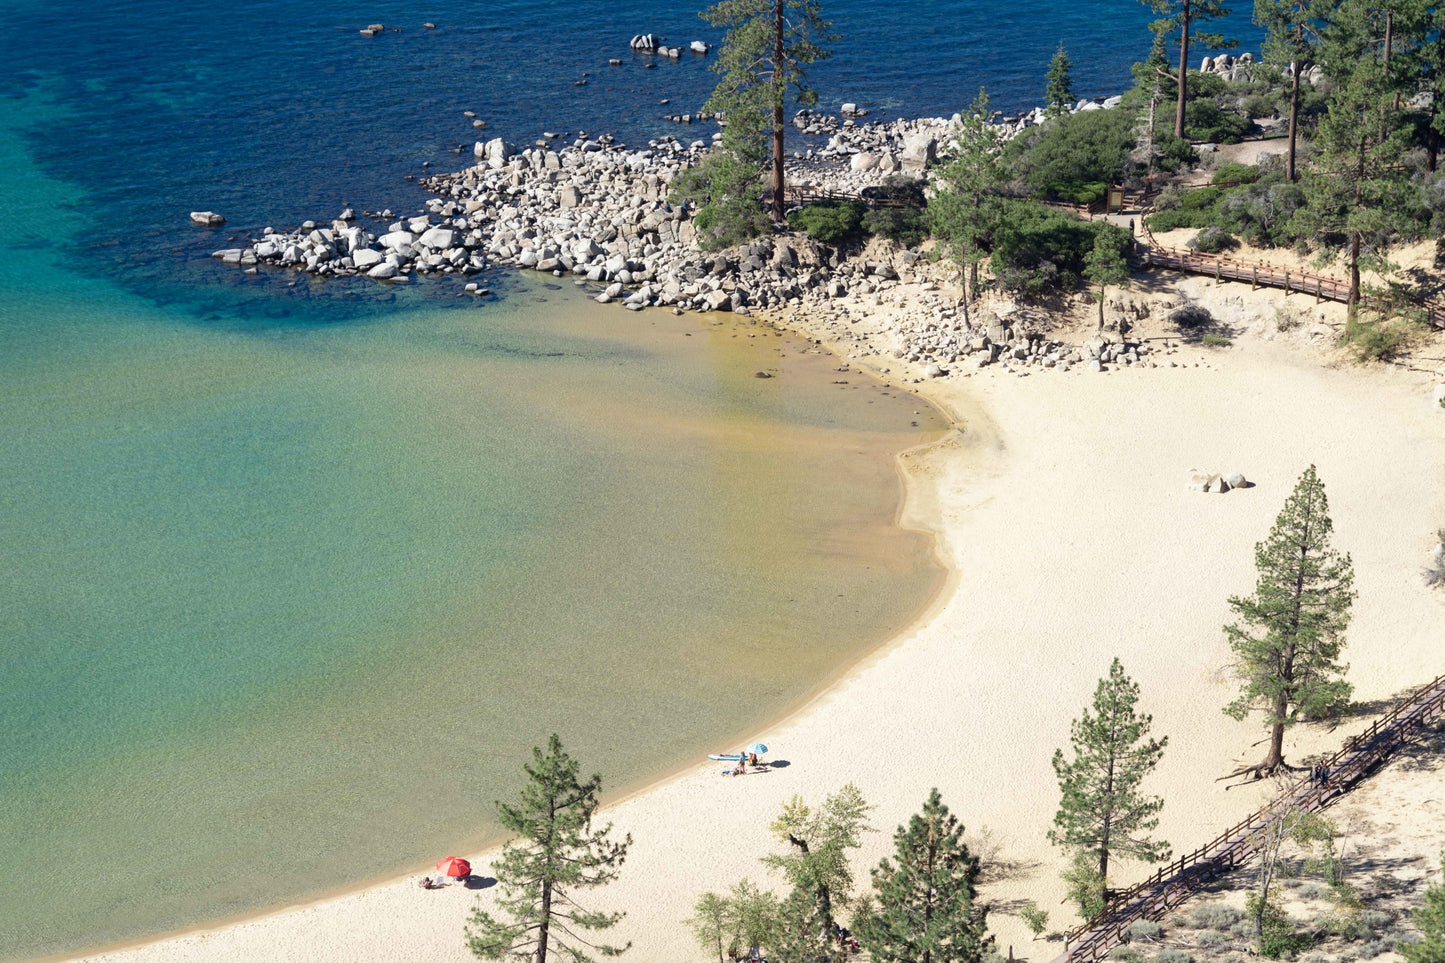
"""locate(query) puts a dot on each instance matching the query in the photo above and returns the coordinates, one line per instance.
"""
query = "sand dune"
(1061, 507)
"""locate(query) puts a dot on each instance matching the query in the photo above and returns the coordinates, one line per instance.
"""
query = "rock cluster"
(371, 30)
(645, 41)
(1214, 484)
(207, 218)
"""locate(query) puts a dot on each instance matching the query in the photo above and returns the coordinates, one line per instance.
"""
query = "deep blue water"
(274, 112)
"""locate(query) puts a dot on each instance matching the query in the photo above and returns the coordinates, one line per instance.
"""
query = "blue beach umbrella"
(757, 747)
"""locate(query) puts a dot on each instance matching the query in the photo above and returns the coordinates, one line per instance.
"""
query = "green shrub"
(1037, 248)
(1213, 340)
(1197, 208)
(1262, 212)
(1213, 240)
(1035, 918)
(906, 225)
(1259, 105)
(1173, 956)
(727, 222)
(1206, 121)
(1068, 154)
(1213, 938)
(1377, 340)
(1214, 916)
(1127, 954)
(1232, 175)
(1277, 933)
(1145, 930)
(828, 221)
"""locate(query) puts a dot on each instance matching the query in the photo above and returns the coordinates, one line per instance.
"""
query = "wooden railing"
(1173, 884)
(1259, 274)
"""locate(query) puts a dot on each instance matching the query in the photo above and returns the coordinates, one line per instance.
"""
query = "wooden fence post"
(1254, 285)
(1286, 282)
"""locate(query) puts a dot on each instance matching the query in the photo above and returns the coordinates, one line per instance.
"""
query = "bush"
(1190, 319)
(1232, 175)
(1197, 208)
(1034, 918)
(1172, 956)
(1213, 938)
(1127, 954)
(1205, 121)
(906, 225)
(828, 221)
(1214, 916)
(1070, 154)
(1213, 240)
(1213, 340)
(1277, 937)
(1256, 106)
(1377, 340)
(1261, 212)
(1037, 248)
(1145, 930)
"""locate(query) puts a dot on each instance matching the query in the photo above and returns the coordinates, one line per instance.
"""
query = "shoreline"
(930, 702)
(908, 517)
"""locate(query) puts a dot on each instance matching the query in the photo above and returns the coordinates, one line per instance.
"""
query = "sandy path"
(1065, 515)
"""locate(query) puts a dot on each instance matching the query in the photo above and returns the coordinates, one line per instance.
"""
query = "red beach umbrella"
(455, 866)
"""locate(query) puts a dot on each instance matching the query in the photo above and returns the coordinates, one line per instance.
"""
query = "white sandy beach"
(1062, 510)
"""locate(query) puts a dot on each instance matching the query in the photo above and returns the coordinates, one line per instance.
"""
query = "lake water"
(292, 577)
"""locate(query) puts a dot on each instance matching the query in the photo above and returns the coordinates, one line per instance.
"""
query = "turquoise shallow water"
(292, 577)
(284, 604)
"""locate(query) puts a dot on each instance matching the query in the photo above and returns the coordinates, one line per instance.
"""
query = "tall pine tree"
(926, 910)
(1292, 29)
(1290, 632)
(1182, 15)
(762, 60)
(556, 853)
(958, 213)
(1356, 193)
(1105, 264)
(1059, 93)
(1102, 813)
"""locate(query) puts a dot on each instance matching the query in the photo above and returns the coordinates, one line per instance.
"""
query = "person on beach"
(753, 759)
(741, 768)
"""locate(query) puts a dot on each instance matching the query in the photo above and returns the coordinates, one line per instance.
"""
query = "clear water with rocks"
(292, 576)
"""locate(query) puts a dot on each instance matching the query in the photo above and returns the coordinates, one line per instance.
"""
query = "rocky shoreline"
(597, 211)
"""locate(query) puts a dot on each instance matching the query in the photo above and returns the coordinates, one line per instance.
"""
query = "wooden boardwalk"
(1257, 273)
(1237, 845)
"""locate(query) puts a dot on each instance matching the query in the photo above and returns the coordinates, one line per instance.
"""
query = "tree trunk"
(1293, 121)
(546, 920)
(1352, 301)
(779, 93)
(1101, 307)
(1183, 70)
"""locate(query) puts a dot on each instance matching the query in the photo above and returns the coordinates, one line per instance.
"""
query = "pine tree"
(958, 213)
(1356, 194)
(1101, 811)
(1292, 29)
(1430, 918)
(819, 840)
(1059, 94)
(1105, 263)
(1291, 630)
(556, 853)
(1181, 15)
(1152, 77)
(926, 911)
(763, 55)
